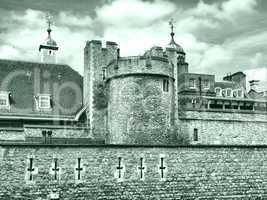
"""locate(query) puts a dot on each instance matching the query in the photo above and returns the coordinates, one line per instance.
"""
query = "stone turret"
(48, 49)
(96, 59)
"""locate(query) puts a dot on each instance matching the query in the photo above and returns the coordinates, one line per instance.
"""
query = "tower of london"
(135, 127)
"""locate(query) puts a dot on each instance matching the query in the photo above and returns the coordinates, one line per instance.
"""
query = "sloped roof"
(26, 80)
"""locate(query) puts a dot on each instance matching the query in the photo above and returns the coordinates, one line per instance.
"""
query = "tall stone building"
(154, 99)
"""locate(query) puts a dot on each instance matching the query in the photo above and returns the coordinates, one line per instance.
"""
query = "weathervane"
(49, 22)
(171, 23)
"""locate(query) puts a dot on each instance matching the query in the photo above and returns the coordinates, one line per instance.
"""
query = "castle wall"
(57, 131)
(190, 172)
(33, 132)
(223, 127)
(139, 111)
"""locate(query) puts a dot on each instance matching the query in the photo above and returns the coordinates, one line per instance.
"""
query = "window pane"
(192, 83)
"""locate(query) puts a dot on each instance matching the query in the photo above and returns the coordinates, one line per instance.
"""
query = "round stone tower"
(140, 99)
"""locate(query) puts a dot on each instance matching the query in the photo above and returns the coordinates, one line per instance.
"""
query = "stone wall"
(139, 111)
(206, 172)
(57, 131)
(141, 65)
(11, 134)
(223, 127)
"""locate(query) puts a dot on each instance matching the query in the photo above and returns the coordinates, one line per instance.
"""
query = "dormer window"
(240, 93)
(228, 92)
(4, 100)
(44, 102)
(218, 91)
(265, 94)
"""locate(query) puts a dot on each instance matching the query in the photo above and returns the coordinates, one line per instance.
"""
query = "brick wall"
(224, 128)
(206, 172)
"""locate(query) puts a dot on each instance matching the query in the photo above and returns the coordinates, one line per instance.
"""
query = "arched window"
(235, 93)
(218, 91)
(229, 92)
(240, 93)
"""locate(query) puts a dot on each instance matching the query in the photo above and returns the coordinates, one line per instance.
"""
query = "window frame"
(165, 85)
(242, 93)
(4, 95)
(208, 85)
(194, 83)
(220, 93)
(42, 100)
(195, 135)
(231, 92)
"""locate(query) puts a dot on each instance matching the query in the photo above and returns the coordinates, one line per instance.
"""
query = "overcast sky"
(218, 36)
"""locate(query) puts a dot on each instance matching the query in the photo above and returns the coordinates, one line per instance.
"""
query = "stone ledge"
(24, 144)
(54, 127)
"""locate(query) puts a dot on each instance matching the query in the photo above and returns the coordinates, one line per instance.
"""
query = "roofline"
(7, 117)
(35, 62)
(235, 99)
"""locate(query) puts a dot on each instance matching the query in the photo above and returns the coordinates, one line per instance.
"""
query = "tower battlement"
(151, 63)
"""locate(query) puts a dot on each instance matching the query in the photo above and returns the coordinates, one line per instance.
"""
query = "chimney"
(254, 85)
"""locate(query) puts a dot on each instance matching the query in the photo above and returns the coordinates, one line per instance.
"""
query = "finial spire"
(171, 23)
(49, 23)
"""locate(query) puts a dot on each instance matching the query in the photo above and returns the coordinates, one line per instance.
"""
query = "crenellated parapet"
(153, 62)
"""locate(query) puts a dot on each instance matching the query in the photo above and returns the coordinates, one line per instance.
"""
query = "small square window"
(192, 83)
(4, 100)
(195, 136)
(165, 85)
(44, 101)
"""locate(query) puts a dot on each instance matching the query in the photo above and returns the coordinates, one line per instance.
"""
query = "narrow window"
(165, 85)
(119, 168)
(206, 84)
(240, 93)
(192, 83)
(223, 92)
(104, 74)
(229, 92)
(79, 169)
(195, 137)
(218, 92)
(162, 168)
(235, 93)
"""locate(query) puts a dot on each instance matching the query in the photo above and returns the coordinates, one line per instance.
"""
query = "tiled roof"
(26, 80)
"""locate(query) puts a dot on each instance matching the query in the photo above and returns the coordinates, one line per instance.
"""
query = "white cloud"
(228, 10)
(137, 25)
(69, 19)
(134, 13)
(22, 42)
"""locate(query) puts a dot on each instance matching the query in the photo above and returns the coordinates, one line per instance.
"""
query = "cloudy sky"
(218, 36)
